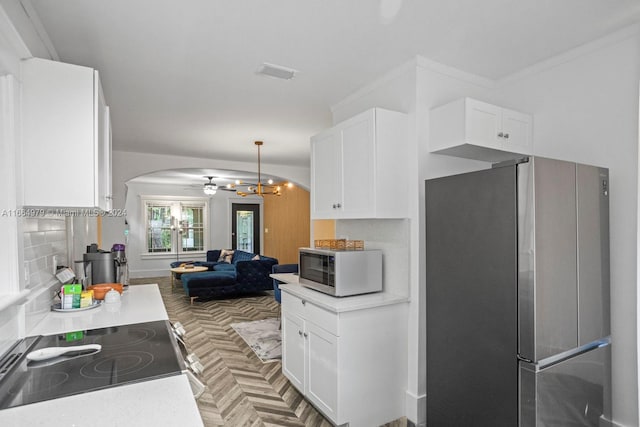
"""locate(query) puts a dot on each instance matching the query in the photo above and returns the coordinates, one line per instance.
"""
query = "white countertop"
(336, 304)
(164, 402)
(139, 303)
(161, 402)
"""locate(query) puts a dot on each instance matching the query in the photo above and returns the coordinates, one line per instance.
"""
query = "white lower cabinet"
(312, 360)
(350, 365)
(294, 349)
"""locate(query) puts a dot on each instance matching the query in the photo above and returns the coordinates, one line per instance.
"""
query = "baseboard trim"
(141, 274)
(416, 409)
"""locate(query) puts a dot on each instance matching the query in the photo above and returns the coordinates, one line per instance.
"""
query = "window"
(175, 226)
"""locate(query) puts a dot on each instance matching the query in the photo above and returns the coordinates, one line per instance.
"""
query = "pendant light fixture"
(259, 188)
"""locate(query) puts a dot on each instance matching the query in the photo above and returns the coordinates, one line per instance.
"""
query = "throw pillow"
(226, 255)
(242, 256)
(256, 258)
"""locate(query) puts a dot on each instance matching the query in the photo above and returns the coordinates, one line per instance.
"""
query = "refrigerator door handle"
(524, 359)
(560, 357)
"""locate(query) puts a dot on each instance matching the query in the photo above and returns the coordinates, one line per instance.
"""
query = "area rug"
(263, 336)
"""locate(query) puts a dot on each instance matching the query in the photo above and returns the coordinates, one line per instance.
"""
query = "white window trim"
(174, 200)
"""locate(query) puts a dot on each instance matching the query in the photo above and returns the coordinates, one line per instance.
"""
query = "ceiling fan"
(210, 187)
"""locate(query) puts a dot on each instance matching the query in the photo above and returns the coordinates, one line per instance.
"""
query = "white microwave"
(341, 273)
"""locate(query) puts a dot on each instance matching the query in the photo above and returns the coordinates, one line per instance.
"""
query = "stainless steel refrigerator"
(517, 281)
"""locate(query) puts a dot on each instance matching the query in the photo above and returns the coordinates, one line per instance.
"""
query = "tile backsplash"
(45, 247)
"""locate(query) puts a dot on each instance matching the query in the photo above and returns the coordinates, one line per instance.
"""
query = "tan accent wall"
(287, 224)
(324, 229)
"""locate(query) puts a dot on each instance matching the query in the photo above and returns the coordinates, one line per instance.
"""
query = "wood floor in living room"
(241, 390)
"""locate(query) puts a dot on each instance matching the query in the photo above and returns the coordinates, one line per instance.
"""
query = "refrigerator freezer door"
(593, 253)
(472, 368)
(573, 393)
(547, 256)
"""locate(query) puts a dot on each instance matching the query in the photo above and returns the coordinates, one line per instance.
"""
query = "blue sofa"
(242, 275)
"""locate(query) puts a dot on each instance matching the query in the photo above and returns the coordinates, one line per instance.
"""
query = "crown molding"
(455, 73)
(10, 37)
(381, 81)
(572, 54)
(39, 29)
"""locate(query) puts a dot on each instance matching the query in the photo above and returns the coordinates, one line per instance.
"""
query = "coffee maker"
(120, 259)
(106, 267)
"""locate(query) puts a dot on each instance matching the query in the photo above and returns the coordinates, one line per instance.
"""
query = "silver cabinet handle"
(500, 135)
(299, 332)
(506, 135)
(305, 335)
(338, 205)
(303, 302)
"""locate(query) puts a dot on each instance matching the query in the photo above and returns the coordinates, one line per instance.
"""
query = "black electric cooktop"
(129, 354)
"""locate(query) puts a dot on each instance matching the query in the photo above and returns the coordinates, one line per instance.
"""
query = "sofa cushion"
(207, 279)
(242, 256)
(224, 267)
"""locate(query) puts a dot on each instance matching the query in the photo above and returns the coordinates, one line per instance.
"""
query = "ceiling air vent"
(277, 71)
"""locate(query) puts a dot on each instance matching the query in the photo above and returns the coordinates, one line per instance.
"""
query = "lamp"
(210, 187)
(259, 189)
(176, 228)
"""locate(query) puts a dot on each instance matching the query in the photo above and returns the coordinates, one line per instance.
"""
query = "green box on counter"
(71, 296)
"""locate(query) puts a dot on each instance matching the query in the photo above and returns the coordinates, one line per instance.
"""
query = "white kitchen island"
(346, 355)
(161, 402)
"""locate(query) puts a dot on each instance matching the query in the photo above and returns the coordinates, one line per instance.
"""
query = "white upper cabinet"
(358, 168)
(476, 130)
(66, 136)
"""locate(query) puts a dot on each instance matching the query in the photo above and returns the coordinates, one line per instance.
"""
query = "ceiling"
(180, 76)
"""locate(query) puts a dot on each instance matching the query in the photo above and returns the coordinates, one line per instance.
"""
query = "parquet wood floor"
(241, 390)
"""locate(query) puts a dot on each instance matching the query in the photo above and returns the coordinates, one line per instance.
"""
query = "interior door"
(245, 227)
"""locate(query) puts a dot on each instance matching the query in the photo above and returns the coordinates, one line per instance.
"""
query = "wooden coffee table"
(182, 270)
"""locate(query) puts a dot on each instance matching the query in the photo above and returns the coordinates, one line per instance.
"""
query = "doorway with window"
(245, 227)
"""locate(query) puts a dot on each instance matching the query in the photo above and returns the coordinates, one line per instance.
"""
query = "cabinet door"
(106, 161)
(293, 349)
(358, 167)
(483, 124)
(322, 373)
(58, 134)
(516, 128)
(101, 139)
(326, 167)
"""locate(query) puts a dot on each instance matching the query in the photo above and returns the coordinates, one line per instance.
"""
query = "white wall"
(585, 107)
(12, 292)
